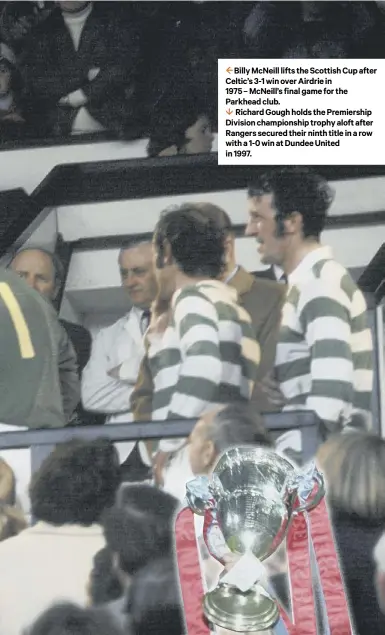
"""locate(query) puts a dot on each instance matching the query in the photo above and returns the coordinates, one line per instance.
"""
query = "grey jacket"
(29, 336)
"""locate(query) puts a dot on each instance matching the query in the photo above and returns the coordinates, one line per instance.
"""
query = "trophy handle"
(312, 501)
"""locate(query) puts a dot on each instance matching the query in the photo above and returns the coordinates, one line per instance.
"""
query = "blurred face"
(263, 226)
(37, 270)
(201, 450)
(137, 274)
(5, 80)
(199, 137)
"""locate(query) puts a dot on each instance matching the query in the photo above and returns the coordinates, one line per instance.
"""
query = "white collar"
(278, 272)
(301, 272)
(231, 275)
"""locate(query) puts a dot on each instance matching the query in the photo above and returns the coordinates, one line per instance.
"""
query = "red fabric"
(190, 573)
(329, 569)
(299, 572)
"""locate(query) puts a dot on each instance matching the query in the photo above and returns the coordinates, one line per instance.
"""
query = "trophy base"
(230, 608)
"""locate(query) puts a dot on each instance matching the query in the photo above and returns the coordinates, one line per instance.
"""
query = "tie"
(283, 279)
(145, 320)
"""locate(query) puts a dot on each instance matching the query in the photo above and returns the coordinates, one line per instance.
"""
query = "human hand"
(14, 117)
(159, 463)
(230, 560)
(273, 392)
(92, 74)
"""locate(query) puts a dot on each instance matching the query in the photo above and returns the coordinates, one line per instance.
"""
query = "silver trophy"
(253, 494)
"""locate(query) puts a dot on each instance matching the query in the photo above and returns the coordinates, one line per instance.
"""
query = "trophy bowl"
(255, 495)
(254, 499)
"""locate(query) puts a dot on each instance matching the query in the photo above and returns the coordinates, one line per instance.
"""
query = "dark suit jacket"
(51, 68)
(263, 301)
(81, 341)
(266, 274)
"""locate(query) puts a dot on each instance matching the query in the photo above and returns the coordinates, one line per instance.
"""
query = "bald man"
(42, 271)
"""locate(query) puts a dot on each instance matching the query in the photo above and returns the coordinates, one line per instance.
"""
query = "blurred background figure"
(69, 494)
(18, 19)
(70, 619)
(30, 395)
(179, 126)
(43, 271)
(215, 432)
(154, 600)
(320, 30)
(138, 530)
(12, 520)
(11, 117)
(96, 46)
(354, 467)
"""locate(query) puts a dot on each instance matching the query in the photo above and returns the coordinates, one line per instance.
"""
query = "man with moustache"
(324, 352)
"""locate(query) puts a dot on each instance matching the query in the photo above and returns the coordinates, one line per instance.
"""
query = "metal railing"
(43, 441)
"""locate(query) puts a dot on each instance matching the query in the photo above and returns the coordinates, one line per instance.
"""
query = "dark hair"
(69, 619)
(139, 527)
(197, 242)
(104, 585)
(76, 483)
(296, 190)
(170, 119)
(217, 215)
(237, 424)
(57, 265)
(154, 600)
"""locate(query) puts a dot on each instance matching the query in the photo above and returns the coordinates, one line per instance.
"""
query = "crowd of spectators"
(87, 541)
(149, 69)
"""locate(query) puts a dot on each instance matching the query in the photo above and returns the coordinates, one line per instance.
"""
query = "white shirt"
(42, 566)
(278, 272)
(118, 345)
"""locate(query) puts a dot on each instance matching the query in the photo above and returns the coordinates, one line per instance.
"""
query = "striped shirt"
(324, 359)
(206, 357)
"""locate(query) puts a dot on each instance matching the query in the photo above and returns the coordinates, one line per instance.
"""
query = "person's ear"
(293, 224)
(167, 253)
(229, 248)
